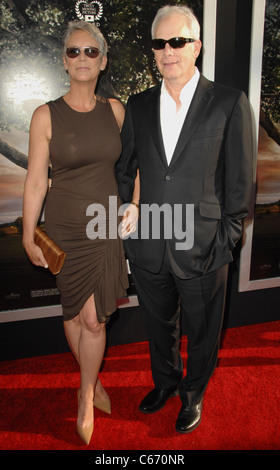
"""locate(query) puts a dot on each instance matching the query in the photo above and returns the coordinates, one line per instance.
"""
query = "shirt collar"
(188, 89)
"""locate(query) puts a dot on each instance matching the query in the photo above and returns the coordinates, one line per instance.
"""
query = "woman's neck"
(81, 96)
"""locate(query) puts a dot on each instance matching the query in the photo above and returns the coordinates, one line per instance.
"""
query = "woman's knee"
(88, 318)
(92, 325)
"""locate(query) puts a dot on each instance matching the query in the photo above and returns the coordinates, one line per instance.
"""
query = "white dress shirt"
(171, 120)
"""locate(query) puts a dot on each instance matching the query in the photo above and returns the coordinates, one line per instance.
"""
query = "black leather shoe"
(156, 399)
(189, 418)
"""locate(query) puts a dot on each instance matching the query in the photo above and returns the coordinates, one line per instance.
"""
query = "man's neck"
(174, 88)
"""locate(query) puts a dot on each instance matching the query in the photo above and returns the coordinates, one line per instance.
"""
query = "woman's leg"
(72, 330)
(87, 338)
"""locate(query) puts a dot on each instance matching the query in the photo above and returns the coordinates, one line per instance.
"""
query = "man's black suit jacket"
(211, 171)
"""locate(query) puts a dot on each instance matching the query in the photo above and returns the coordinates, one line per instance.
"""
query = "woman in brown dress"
(79, 134)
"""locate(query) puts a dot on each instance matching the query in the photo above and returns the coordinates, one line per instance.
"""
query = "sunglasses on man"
(175, 43)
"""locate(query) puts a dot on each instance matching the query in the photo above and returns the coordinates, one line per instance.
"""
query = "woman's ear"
(103, 63)
(65, 63)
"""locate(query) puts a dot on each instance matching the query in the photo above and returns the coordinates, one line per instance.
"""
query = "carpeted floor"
(241, 406)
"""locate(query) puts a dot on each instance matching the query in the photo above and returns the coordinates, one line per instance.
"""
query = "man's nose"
(168, 49)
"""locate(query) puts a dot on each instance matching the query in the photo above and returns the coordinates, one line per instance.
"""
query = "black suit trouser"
(163, 298)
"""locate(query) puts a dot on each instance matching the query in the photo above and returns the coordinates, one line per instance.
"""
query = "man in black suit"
(191, 141)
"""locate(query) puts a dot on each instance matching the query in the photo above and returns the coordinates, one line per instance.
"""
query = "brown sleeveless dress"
(83, 150)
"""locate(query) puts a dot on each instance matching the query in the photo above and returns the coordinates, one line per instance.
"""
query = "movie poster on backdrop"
(260, 254)
(32, 73)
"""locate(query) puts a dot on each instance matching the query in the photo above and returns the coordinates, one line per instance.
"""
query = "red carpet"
(241, 406)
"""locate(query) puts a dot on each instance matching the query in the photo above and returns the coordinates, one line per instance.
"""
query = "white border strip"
(52, 311)
(30, 313)
(209, 38)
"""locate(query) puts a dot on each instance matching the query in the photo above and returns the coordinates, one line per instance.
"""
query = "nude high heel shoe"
(85, 433)
(102, 405)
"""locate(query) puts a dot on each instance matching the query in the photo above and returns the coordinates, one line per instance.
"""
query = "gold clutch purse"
(54, 255)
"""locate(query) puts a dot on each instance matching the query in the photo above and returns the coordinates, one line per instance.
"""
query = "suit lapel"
(153, 115)
(199, 105)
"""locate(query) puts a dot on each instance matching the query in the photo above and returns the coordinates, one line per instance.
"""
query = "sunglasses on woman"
(91, 52)
(175, 43)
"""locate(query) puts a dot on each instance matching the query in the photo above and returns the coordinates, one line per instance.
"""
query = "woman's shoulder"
(42, 112)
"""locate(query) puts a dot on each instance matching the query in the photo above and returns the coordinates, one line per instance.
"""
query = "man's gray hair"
(190, 19)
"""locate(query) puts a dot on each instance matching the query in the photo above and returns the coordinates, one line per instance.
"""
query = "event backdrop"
(260, 255)
(32, 73)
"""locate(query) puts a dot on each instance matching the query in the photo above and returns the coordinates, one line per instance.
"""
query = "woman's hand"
(35, 254)
(130, 220)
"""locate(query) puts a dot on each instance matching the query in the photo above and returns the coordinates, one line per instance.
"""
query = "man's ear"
(197, 48)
